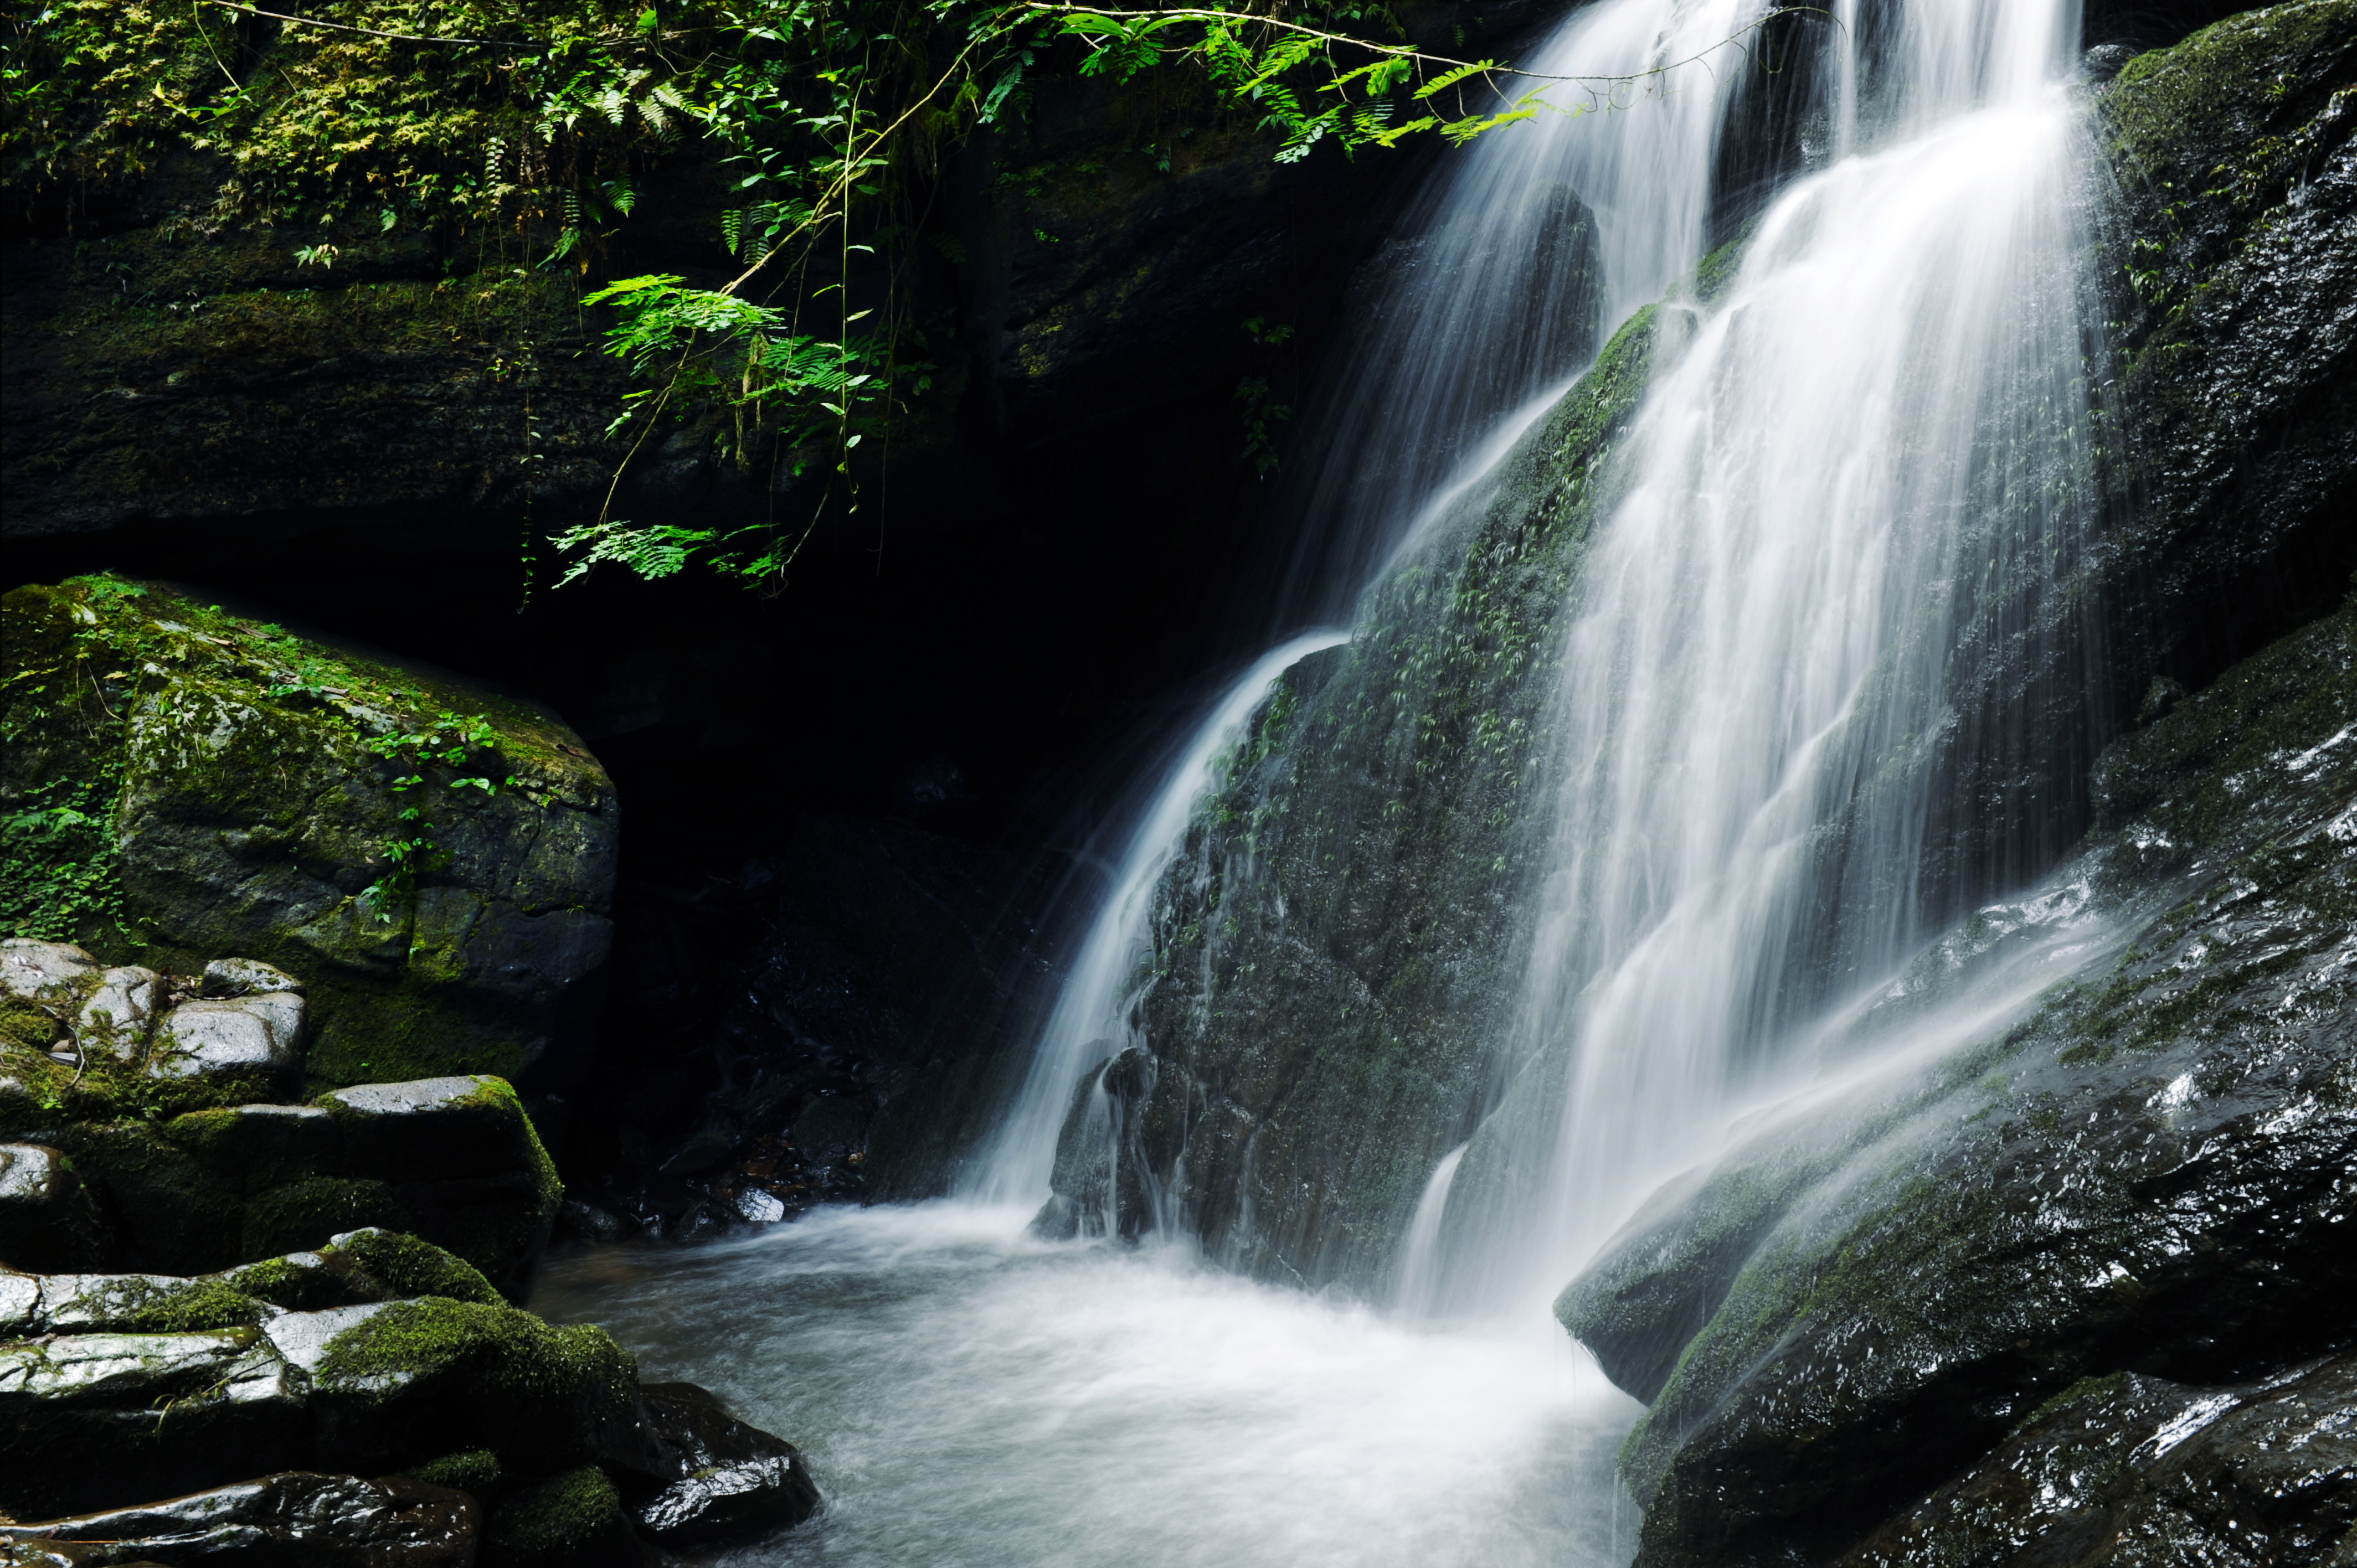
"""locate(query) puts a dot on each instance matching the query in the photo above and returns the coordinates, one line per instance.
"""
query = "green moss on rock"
(298, 1214)
(556, 1520)
(475, 1471)
(403, 1267)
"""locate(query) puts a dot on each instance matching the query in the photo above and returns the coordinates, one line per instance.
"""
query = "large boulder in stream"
(2146, 1177)
(429, 860)
(240, 1416)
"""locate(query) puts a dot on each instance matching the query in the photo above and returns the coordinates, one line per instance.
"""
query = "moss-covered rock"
(570, 1521)
(455, 1161)
(428, 1376)
(432, 861)
(1331, 942)
(2233, 189)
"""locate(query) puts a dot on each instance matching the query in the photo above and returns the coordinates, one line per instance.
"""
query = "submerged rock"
(294, 1519)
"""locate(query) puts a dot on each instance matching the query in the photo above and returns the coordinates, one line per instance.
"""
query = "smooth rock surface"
(249, 1036)
(294, 1519)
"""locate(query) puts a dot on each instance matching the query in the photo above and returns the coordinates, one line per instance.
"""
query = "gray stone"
(288, 1520)
(250, 1035)
(245, 977)
(303, 1337)
(121, 1012)
(20, 1305)
(90, 1303)
(36, 970)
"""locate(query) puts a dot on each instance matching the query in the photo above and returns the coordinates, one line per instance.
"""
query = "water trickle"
(1089, 1022)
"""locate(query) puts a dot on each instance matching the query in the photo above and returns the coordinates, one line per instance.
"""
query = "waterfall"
(1861, 475)
(1482, 315)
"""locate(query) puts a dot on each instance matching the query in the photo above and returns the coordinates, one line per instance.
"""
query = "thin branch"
(1408, 51)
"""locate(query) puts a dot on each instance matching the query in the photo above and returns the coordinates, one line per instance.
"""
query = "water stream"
(1857, 463)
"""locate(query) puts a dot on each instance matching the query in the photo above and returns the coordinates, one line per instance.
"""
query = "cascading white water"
(1510, 268)
(1576, 215)
(1853, 457)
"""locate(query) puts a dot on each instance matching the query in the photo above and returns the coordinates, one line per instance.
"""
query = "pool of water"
(969, 1395)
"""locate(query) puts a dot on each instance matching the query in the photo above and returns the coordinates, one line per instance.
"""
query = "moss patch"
(403, 1267)
(548, 1522)
(475, 1471)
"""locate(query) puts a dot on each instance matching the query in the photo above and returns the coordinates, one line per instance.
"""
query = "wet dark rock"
(294, 1519)
(47, 1220)
(1331, 944)
(731, 1479)
(575, 1520)
(591, 1223)
(1099, 1184)
(2134, 1472)
(2229, 276)
(2147, 1175)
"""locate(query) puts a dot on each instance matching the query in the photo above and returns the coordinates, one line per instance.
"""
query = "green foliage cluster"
(543, 117)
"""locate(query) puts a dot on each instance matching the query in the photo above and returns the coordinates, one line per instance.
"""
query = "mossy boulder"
(415, 1379)
(1331, 944)
(455, 1161)
(432, 861)
(374, 1353)
(2145, 1170)
(570, 1521)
